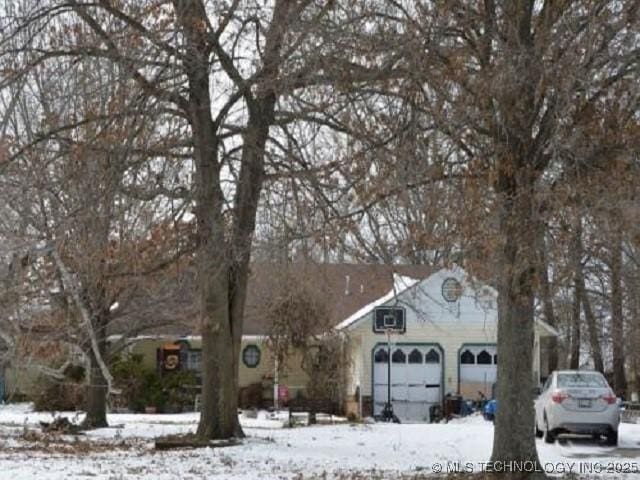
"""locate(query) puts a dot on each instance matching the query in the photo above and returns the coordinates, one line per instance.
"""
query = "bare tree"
(490, 81)
(233, 72)
(72, 219)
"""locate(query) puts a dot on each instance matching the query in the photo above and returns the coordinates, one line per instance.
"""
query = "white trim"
(188, 338)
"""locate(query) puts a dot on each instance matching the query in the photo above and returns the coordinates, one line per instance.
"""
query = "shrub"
(250, 396)
(58, 396)
(143, 387)
(179, 389)
(128, 373)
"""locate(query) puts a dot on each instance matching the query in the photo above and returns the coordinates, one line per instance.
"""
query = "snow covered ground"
(125, 451)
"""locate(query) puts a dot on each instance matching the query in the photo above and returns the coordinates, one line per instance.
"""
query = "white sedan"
(577, 402)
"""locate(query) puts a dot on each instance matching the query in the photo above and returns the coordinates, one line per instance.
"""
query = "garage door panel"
(399, 391)
(417, 393)
(478, 371)
(416, 375)
(380, 372)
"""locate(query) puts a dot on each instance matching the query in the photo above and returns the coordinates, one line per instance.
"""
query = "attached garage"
(416, 379)
(478, 370)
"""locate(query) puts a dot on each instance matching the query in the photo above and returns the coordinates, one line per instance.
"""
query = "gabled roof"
(403, 283)
(345, 288)
(400, 284)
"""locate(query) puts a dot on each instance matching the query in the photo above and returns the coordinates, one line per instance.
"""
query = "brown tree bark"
(518, 170)
(582, 299)
(617, 319)
(547, 303)
(575, 257)
(594, 337)
(224, 251)
(96, 402)
(98, 386)
(576, 337)
(513, 437)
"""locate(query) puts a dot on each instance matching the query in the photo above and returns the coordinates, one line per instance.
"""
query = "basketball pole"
(388, 408)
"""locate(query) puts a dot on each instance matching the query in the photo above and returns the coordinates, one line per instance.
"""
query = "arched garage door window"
(432, 357)
(399, 357)
(415, 356)
(467, 358)
(484, 358)
(381, 356)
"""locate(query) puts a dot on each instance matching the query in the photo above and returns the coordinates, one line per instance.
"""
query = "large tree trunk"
(547, 303)
(224, 253)
(592, 326)
(96, 401)
(98, 388)
(218, 418)
(582, 299)
(576, 337)
(617, 320)
(575, 256)
(518, 169)
(513, 438)
(634, 314)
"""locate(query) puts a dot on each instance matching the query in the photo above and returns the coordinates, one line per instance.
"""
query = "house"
(432, 336)
(432, 332)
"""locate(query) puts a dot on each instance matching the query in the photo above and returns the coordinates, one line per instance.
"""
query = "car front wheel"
(539, 433)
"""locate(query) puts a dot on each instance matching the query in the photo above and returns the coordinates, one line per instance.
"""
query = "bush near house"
(143, 387)
(66, 394)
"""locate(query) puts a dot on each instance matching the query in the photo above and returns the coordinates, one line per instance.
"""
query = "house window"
(194, 360)
(432, 357)
(467, 358)
(415, 356)
(484, 358)
(495, 359)
(399, 357)
(381, 356)
(251, 356)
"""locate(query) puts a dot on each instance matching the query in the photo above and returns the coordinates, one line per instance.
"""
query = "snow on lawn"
(125, 451)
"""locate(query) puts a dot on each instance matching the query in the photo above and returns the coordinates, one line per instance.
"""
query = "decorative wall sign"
(451, 289)
(171, 361)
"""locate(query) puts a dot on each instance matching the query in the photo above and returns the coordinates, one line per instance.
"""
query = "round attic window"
(251, 356)
(451, 289)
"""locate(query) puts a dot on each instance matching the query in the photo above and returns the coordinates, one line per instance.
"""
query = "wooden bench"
(312, 407)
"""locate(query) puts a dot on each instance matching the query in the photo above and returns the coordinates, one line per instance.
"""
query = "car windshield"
(572, 380)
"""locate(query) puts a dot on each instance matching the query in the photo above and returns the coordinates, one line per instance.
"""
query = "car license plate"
(584, 403)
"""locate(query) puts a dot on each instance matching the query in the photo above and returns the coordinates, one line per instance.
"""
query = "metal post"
(387, 413)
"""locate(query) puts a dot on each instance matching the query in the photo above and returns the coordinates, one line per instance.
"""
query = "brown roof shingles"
(346, 287)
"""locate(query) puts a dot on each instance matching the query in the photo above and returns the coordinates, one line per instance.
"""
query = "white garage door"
(478, 370)
(416, 376)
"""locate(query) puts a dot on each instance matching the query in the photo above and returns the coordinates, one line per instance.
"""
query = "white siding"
(431, 319)
(450, 339)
